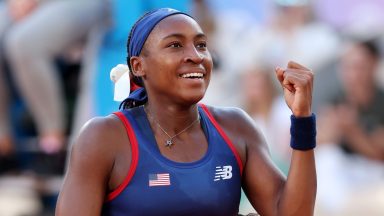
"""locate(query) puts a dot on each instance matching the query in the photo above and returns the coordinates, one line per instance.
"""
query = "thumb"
(285, 83)
(279, 74)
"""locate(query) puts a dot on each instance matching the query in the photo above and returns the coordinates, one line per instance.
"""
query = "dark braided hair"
(372, 47)
(129, 103)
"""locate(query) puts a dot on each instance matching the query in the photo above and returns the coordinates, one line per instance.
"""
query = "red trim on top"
(134, 86)
(225, 137)
(134, 160)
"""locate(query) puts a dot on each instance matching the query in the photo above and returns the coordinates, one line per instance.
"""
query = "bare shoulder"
(99, 139)
(91, 164)
(233, 119)
(230, 114)
(100, 131)
(239, 127)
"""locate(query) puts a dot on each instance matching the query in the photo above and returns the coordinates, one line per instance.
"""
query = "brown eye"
(201, 45)
(175, 45)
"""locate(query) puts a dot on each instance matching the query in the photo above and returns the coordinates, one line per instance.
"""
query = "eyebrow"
(178, 35)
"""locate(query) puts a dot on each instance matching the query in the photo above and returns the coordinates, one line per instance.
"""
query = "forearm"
(299, 192)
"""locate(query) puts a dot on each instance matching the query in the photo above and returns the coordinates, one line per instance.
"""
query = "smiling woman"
(165, 154)
(175, 52)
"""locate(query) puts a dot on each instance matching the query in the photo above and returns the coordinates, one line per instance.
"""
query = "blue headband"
(144, 27)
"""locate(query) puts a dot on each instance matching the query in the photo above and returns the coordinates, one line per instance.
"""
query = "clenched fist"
(297, 83)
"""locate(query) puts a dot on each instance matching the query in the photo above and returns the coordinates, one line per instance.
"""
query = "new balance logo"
(222, 173)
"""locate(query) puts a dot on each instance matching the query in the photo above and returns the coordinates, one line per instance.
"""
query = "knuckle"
(308, 76)
(311, 74)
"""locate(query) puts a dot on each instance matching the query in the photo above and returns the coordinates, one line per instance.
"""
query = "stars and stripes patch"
(161, 179)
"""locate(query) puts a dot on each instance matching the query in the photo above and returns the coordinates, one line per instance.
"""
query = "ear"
(137, 66)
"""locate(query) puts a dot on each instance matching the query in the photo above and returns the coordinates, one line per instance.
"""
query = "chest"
(210, 186)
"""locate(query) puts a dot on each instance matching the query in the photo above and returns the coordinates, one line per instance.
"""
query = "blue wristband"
(303, 132)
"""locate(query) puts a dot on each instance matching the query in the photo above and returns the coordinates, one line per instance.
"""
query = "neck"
(172, 118)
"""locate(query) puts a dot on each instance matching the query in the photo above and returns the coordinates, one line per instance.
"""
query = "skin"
(100, 157)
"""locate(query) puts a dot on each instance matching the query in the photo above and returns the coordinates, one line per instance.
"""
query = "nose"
(193, 55)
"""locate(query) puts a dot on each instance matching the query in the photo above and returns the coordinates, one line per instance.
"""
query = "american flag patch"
(159, 179)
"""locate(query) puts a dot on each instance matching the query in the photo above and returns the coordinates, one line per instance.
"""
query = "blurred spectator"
(292, 33)
(33, 33)
(359, 106)
(351, 136)
(262, 101)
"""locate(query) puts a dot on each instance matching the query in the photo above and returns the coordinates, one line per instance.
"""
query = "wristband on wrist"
(303, 132)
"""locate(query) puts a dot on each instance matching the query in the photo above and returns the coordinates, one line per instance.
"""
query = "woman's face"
(357, 69)
(257, 86)
(176, 64)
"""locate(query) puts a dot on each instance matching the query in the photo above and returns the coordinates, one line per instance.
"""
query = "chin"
(194, 98)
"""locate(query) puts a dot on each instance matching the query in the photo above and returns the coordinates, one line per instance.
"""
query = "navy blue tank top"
(158, 186)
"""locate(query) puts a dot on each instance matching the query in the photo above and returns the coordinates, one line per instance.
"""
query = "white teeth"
(195, 75)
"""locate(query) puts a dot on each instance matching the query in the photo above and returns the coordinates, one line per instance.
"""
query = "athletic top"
(156, 185)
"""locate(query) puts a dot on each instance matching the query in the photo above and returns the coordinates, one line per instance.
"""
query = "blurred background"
(56, 55)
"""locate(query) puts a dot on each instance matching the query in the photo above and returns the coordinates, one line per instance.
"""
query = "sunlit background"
(55, 58)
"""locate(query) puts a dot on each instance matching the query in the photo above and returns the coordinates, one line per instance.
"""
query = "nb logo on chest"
(223, 173)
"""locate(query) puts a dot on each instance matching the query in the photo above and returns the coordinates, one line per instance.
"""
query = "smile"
(192, 75)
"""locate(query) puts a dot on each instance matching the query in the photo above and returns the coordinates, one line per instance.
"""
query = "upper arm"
(90, 164)
(262, 181)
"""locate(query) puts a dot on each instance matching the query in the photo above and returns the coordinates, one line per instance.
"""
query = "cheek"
(208, 62)
(160, 67)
